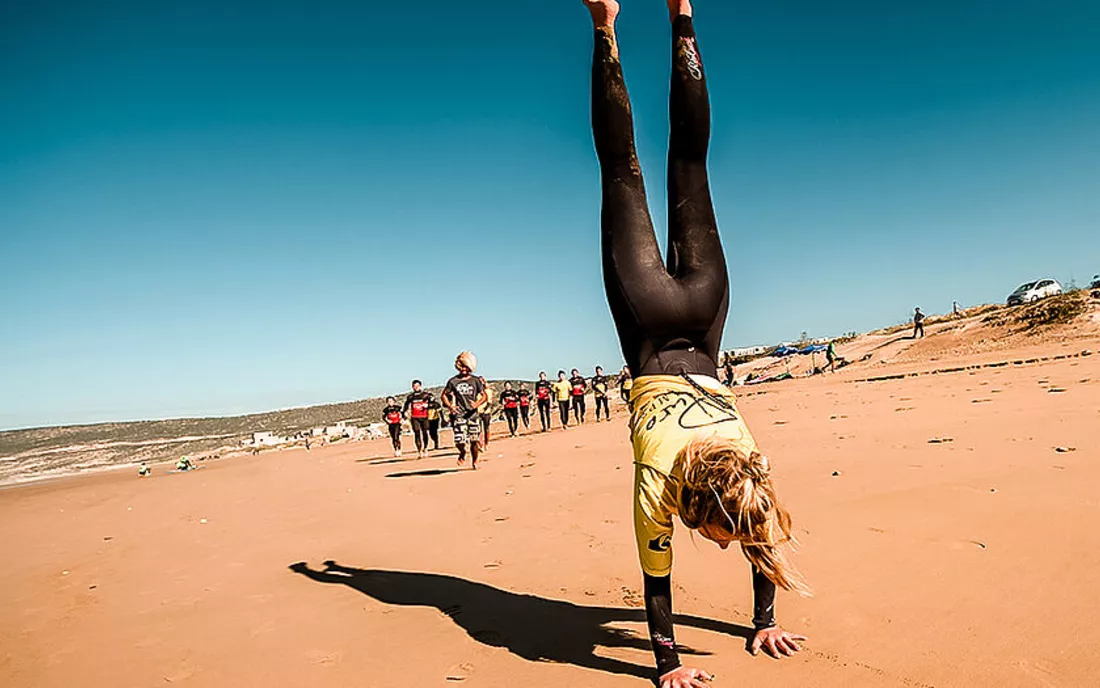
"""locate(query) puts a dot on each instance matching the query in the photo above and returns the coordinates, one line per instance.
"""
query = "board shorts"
(466, 428)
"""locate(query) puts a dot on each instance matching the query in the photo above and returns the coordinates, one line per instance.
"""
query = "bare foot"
(603, 12)
(679, 7)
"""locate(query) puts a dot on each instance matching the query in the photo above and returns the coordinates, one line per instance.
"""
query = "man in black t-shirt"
(580, 388)
(462, 396)
(600, 383)
(544, 398)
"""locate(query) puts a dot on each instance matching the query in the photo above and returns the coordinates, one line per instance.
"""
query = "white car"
(1033, 291)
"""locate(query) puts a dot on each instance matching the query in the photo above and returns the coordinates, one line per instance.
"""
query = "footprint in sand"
(460, 672)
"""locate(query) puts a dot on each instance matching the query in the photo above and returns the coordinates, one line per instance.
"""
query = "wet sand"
(971, 561)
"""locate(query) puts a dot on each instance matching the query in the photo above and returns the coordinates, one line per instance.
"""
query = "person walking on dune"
(392, 416)
(563, 391)
(694, 456)
(544, 396)
(463, 395)
(918, 323)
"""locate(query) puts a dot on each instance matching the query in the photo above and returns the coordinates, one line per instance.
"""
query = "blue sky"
(214, 208)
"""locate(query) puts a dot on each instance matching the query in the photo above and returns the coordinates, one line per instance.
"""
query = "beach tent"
(785, 351)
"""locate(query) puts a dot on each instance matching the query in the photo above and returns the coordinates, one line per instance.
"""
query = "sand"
(970, 561)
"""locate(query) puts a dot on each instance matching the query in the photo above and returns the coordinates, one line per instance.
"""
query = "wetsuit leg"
(525, 416)
(420, 433)
(433, 432)
(669, 317)
(395, 436)
(544, 414)
(513, 420)
(563, 409)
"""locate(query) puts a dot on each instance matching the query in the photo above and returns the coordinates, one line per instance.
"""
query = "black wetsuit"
(509, 399)
(435, 418)
(392, 416)
(599, 392)
(525, 408)
(669, 314)
(580, 386)
(416, 408)
(544, 397)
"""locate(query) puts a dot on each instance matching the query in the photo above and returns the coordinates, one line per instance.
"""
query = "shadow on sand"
(427, 473)
(534, 628)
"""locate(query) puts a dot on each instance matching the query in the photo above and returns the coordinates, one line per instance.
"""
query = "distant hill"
(44, 452)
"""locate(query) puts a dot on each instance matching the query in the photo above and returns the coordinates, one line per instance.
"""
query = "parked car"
(1033, 291)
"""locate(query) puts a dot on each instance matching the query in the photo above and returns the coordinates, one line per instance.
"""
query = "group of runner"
(425, 414)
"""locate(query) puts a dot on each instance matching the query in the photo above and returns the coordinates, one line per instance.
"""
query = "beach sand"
(948, 540)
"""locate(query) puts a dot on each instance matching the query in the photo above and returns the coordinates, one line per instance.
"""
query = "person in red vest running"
(416, 410)
(393, 416)
(579, 389)
(509, 400)
(544, 398)
(525, 407)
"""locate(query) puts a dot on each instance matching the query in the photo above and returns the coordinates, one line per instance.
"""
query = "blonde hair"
(727, 488)
(466, 359)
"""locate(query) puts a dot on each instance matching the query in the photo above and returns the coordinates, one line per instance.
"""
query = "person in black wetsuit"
(509, 401)
(463, 395)
(393, 416)
(579, 387)
(435, 418)
(525, 407)
(600, 384)
(694, 456)
(416, 410)
(544, 399)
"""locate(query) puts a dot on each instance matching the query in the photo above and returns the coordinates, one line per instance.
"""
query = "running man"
(599, 392)
(544, 394)
(509, 400)
(694, 456)
(578, 388)
(416, 410)
(462, 396)
(485, 413)
(626, 382)
(435, 417)
(563, 391)
(392, 416)
(525, 407)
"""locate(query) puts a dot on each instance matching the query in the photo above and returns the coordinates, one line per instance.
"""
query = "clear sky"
(220, 207)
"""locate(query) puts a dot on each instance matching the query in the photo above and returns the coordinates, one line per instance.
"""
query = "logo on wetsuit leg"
(691, 57)
(661, 543)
